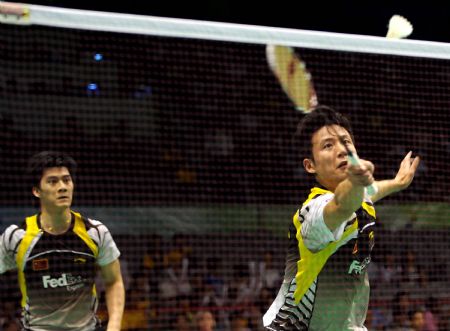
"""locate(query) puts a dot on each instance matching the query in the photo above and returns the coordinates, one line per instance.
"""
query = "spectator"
(205, 321)
(182, 323)
(431, 315)
(239, 323)
(152, 263)
(401, 305)
(417, 320)
(244, 287)
(214, 292)
(136, 314)
(176, 278)
(390, 270)
(215, 289)
(270, 275)
(410, 269)
(376, 318)
(255, 318)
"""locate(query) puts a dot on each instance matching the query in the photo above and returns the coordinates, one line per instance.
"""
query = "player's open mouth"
(63, 198)
(343, 164)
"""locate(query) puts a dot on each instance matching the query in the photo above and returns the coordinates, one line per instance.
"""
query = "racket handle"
(372, 189)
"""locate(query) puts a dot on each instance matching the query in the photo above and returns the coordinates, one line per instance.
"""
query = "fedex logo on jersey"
(357, 267)
(71, 282)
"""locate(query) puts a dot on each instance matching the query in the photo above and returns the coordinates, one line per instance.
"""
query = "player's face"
(55, 190)
(329, 162)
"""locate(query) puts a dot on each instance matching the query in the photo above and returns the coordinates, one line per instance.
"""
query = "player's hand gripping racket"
(296, 82)
(354, 159)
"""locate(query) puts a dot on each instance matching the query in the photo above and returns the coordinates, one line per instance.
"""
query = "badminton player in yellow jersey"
(57, 254)
(325, 286)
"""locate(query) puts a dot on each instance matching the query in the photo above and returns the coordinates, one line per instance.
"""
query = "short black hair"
(319, 117)
(41, 161)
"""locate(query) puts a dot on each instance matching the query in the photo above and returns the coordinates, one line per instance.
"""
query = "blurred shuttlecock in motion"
(399, 27)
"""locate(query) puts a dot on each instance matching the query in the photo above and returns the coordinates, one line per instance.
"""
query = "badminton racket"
(293, 77)
(296, 82)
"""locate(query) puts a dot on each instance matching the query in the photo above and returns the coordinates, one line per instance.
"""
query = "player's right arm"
(349, 194)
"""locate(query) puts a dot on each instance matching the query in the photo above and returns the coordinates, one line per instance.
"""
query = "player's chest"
(65, 253)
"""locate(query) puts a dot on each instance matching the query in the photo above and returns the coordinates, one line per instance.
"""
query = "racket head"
(292, 76)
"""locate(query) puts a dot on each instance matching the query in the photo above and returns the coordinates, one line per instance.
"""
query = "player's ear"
(36, 192)
(309, 166)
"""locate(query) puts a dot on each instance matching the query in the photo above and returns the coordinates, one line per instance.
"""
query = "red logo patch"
(40, 264)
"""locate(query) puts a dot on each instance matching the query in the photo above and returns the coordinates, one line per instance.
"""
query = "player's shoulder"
(88, 221)
(94, 224)
(12, 234)
(315, 203)
(95, 227)
(317, 196)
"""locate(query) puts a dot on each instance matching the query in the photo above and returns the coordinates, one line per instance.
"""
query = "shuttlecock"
(399, 27)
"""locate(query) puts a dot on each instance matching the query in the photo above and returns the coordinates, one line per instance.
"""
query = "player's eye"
(327, 145)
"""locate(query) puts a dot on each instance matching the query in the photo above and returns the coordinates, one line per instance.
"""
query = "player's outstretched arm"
(349, 194)
(401, 181)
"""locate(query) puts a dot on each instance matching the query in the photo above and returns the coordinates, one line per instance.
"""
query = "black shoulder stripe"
(88, 224)
(316, 196)
(17, 246)
(12, 234)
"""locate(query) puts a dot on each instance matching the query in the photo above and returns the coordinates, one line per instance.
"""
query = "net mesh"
(184, 152)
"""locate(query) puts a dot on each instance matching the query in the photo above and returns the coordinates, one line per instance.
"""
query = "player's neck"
(55, 222)
(327, 185)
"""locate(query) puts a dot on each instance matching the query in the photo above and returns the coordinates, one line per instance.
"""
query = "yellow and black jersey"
(57, 272)
(326, 288)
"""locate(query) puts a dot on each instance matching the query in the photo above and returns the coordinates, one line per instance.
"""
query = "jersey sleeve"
(8, 241)
(107, 248)
(316, 234)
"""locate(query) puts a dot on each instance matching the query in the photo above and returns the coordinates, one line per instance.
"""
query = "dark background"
(429, 18)
(214, 125)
